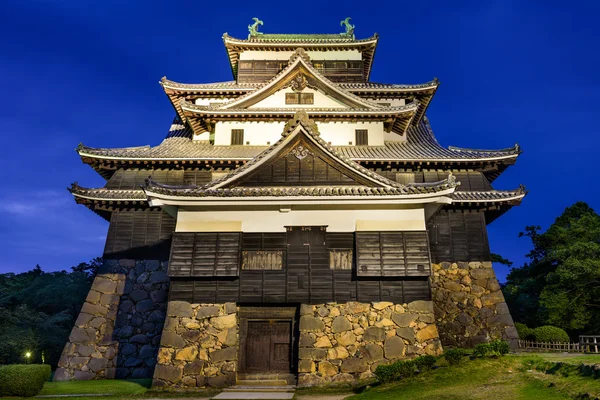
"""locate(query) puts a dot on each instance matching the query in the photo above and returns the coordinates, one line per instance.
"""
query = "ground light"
(27, 356)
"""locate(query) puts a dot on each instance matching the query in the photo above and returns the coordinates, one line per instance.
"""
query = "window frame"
(240, 138)
(361, 137)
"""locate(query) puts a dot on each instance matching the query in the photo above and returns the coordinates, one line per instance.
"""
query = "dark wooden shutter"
(392, 254)
(362, 137)
(205, 254)
(237, 137)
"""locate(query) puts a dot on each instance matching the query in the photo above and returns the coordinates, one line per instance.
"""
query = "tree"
(561, 283)
(38, 310)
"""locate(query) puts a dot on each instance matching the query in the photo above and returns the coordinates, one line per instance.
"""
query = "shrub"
(454, 356)
(525, 332)
(550, 333)
(424, 363)
(395, 371)
(499, 346)
(495, 348)
(23, 380)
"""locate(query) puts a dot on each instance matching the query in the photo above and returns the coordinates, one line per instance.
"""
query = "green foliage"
(38, 310)
(494, 348)
(454, 356)
(425, 363)
(397, 370)
(550, 333)
(559, 285)
(525, 332)
(23, 380)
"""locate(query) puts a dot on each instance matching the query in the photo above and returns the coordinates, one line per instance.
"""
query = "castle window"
(362, 138)
(237, 136)
(265, 260)
(299, 98)
(340, 259)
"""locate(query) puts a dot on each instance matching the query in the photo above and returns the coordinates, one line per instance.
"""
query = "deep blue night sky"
(83, 71)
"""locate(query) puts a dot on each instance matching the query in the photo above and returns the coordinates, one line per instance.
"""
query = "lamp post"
(27, 356)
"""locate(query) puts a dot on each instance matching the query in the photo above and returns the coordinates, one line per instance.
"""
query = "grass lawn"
(503, 378)
(571, 358)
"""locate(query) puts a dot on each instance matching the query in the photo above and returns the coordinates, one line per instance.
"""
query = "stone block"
(139, 339)
(147, 351)
(83, 319)
(327, 369)
(346, 339)
(226, 354)
(502, 309)
(372, 352)
(85, 350)
(194, 368)
(421, 306)
(406, 333)
(341, 324)
(404, 320)
(84, 376)
(393, 347)
(144, 305)
(180, 309)
(306, 309)
(81, 335)
(312, 354)
(354, 365)
(206, 312)
(306, 366)
(374, 334)
(337, 353)
(311, 324)
(171, 339)
(159, 277)
(353, 307)
(452, 286)
(230, 308)
(306, 340)
(380, 305)
(306, 380)
(427, 333)
(322, 341)
(493, 298)
(427, 318)
(104, 285)
(172, 374)
(141, 373)
(94, 309)
(61, 375)
(482, 273)
(138, 295)
(225, 322)
(97, 364)
(187, 354)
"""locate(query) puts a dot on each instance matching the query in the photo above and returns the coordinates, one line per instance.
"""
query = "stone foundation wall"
(117, 332)
(199, 346)
(469, 305)
(346, 342)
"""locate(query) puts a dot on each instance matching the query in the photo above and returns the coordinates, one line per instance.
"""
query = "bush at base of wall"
(23, 380)
(550, 333)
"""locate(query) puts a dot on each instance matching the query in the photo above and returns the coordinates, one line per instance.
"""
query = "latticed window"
(299, 98)
(237, 136)
(362, 138)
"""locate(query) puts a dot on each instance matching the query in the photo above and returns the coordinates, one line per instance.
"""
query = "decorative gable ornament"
(299, 83)
(300, 152)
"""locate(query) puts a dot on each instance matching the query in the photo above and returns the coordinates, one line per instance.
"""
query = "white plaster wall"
(257, 133)
(314, 55)
(277, 100)
(412, 219)
(266, 133)
(393, 102)
(207, 101)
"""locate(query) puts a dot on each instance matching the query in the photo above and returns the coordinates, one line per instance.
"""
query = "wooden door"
(268, 346)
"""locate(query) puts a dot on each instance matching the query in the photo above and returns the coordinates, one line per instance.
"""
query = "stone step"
(254, 396)
(261, 382)
(256, 388)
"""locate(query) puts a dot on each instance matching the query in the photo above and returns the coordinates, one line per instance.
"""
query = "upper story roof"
(285, 42)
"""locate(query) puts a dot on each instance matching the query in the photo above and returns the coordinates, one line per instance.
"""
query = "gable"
(301, 163)
(299, 75)
(278, 100)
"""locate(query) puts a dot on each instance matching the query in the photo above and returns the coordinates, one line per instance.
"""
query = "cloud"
(35, 204)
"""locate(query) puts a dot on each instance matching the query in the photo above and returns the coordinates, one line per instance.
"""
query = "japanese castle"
(298, 224)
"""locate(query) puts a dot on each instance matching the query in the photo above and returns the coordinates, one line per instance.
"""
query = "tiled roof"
(298, 38)
(420, 145)
(350, 86)
(107, 194)
(489, 196)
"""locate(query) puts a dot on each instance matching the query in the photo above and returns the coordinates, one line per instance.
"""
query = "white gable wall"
(267, 133)
(407, 219)
(277, 100)
(257, 55)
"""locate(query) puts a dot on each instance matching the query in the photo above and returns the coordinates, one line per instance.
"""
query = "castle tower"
(298, 220)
